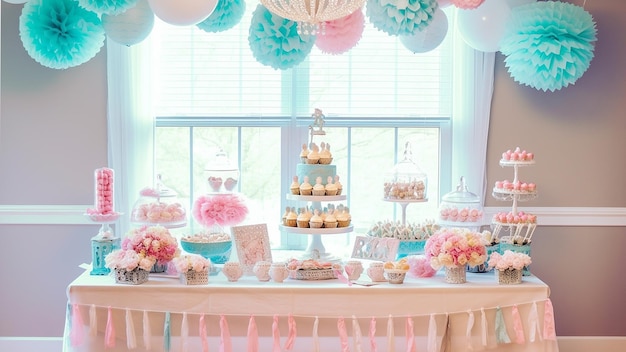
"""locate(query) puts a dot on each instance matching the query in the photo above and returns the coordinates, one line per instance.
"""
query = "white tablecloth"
(420, 300)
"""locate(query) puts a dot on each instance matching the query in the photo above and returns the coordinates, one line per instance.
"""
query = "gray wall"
(53, 135)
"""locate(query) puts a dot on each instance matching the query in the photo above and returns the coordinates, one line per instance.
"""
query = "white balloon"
(130, 27)
(16, 1)
(482, 28)
(430, 37)
(183, 12)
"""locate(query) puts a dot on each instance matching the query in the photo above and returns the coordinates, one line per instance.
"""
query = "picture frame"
(253, 245)
(375, 248)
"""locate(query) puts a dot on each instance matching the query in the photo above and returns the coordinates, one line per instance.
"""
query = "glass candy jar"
(406, 181)
(221, 174)
(159, 206)
(461, 208)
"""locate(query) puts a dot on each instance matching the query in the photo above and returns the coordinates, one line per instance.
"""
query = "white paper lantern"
(430, 37)
(183, 12)
(130, 27)
(482, 28)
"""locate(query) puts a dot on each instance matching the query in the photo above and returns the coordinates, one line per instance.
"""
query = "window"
(210, 94)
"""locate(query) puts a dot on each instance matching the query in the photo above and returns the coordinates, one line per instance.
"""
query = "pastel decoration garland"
(548, 45)
(227, 14)
(59, 33)
(275, 41)
(342, 34)
(431, 37)
(468, 4)
(132, 26)
(109, 7)
(396, 17)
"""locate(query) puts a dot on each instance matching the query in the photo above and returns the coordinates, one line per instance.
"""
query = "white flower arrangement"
(509, 260)
(128, 260)
(191, 262)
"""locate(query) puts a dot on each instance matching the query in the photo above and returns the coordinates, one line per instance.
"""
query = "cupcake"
(306, 189)
(318, 189)
(295, 186)
(330, 188)
(304, 153)
(284, 218)
(338, 185)
(292, 218)
(343, 218)
(316, 221)
(303, 218)
(325, 155)
(313, 157)
(330, 221)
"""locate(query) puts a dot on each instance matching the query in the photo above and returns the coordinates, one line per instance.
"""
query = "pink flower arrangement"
(154, 242)
(223, 210)
(452, 247)
(509, 260)
(191, 262)
(128, 259)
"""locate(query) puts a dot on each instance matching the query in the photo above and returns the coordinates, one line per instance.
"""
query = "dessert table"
(422, 314)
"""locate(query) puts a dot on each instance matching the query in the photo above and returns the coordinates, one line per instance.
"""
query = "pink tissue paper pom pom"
(419, 266)
(467, 4)
(223, 210)
(342, 34)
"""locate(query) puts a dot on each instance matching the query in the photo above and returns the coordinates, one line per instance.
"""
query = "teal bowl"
(407, 248)
(217, 252)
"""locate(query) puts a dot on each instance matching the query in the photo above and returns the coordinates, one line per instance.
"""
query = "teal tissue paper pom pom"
(548, 45)
(275, 41)
(108, 7)
(59, 33)
(226, 15)
(401, 17)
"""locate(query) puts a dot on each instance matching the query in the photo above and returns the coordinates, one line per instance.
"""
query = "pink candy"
(517, 155)
(158, 212)
(515, 186)
(104, 178)
(460, 215)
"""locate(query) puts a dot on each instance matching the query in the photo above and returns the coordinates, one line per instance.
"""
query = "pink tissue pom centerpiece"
(221, 209)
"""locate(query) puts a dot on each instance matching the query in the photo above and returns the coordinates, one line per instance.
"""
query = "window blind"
(197, 73)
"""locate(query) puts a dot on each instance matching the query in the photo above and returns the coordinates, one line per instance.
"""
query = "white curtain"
(472, 94)
(130, 125)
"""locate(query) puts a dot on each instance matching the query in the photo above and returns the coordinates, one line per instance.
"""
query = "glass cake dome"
(461, 208)
(406, 180)
(159, 206)
(221, 174)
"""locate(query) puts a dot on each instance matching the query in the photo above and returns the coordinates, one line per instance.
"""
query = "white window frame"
(131, 124)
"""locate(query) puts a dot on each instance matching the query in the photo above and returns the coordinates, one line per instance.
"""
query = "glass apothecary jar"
(221, 174)
(406, 181)
(159, 206)
(461, 208)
